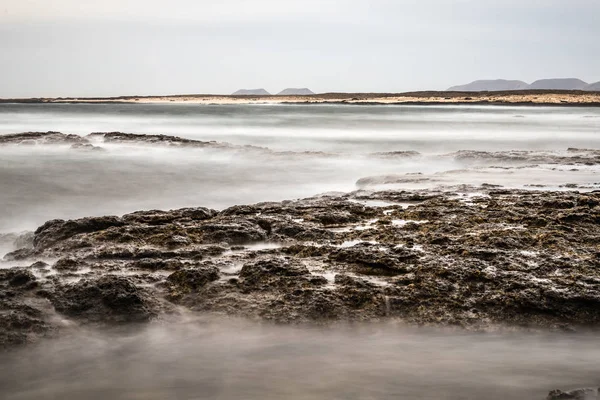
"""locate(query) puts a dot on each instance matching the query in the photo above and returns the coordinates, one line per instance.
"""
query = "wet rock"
(270, 273)
(373, 259)
(20, 323)
(120, 137)
(525, 157)
(501, 256)
(66, 264)
(577, 394)
(333, 217)
(489, 186)
(20, 254)
(302, 232)
(39, 265)
(177, 241)
(232, 231)
(360, 294)
(158, 217)
(56, 230)
(18, 277)
(86, 147)
(273, 267)
(156, 264)
(191, 279)
(109, 299)
(303, 251)
(34, 138)
(129, 253)
(396, 154)
(307, 305)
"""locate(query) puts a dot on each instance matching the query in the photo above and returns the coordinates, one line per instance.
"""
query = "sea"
(309, 150)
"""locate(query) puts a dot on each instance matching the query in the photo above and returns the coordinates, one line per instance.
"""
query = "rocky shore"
(478, 257)
(482, 260)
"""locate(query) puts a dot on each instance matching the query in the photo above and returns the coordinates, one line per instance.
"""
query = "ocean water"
(216, 359)
(38, 183)
(230, 359)
(337, 128)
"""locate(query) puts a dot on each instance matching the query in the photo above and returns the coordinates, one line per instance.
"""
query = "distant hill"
(251, 92)
(559, 84)
(496, 85)
(490, 85)
(593, 87)
(295, 92)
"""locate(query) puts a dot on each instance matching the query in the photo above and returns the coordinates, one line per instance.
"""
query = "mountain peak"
(559, 84)
(295, 92)
(251, 92)
(493, 85)
(593, 87)
(490, 85)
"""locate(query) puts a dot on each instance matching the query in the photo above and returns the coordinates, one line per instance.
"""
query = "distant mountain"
(295, 92)
(490, 85)
(251, 92)
(559, 84)
(593, 87)
(542, 84)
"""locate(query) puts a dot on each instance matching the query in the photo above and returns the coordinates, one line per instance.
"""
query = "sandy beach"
(494, 98)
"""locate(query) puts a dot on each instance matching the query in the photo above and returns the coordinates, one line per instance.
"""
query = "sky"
(153, 47)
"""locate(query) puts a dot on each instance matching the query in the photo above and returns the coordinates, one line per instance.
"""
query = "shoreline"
(517, 98)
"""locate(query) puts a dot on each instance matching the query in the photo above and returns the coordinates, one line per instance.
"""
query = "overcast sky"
(120, 47)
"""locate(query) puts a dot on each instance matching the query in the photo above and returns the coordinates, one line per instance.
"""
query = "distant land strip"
(512, 97)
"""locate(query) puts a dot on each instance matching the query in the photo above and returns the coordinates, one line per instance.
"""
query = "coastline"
(512, 98)
(475, 256)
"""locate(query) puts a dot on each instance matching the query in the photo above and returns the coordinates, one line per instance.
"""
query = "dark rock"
(577, 394)
(157, 264)
(375, 260)
(66, 264)
(86, 147)
(39, 265)
(270, 273)
(109, 299)
(232, 232)
(18, 277)
(20, 324)
(397, 154)
(120, 137)
(33, 138)
(360, 294)
(516, 257)
(20, 254)
(158, 217)
(56, 230)
(191, 279)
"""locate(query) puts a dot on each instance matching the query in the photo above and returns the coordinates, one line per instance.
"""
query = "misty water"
(231, 359)
(214, 359)
(45, 182)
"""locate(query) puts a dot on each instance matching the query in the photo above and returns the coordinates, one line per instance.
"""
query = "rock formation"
(504, 257)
